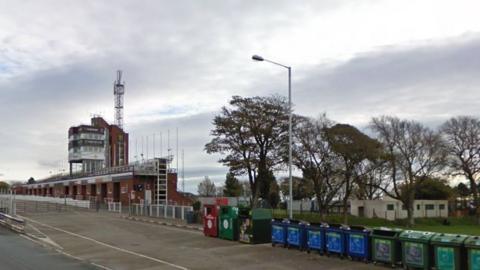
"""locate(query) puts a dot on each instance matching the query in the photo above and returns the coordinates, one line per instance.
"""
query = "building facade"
(126, 184)
(87, 145)
(105, 175)
(392, 209)
(96, 146)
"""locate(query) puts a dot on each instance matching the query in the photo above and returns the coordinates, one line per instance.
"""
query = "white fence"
(115, 207)
(153, 210)
(66, 201)
(161, 211)
(7, 202)
(7, 206)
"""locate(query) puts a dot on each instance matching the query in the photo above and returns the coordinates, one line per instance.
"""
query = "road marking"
(101, 266)
(109, 246)
(33, 239)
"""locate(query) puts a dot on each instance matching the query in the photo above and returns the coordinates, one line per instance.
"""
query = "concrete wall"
(393, 209)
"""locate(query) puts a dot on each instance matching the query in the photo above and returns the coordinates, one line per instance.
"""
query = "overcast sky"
(183, 60)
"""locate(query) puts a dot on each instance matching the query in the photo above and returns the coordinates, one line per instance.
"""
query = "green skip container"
(472, 244)
(228, 223)
(386, 246)
(255, 225)
(416, 250)
(449, 251)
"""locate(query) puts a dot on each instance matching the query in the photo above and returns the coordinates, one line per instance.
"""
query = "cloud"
(428, 83)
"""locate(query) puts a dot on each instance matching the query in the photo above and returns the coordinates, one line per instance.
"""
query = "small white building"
(392, 209)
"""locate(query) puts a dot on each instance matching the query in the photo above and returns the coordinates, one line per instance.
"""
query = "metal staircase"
(160, 187)
(157, 167)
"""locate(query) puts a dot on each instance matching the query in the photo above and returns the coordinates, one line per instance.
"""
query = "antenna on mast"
(118, 91)
(183, 171)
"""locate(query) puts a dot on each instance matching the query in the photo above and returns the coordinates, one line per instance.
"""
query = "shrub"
(196, 206)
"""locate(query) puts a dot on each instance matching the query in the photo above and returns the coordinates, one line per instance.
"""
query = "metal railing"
(104, 171)
(7, 206)
(114, 207)
(160, 210)
(55, 200)
(40, 204)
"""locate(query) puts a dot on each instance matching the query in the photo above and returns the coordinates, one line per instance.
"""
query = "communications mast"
(118, 91)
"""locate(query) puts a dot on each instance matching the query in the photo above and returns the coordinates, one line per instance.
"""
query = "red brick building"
(106, 175)
(126, 184)
(97, 146)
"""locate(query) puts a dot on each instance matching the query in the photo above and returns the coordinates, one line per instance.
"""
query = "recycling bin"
(296, 235)
(279, 232)
(210, 220)
(449, 251)
(416, 250)
(228, 223)
(472, 244)
(357, 239)
(335, 239)
(255, 225)
(386, 247)
(315, 237)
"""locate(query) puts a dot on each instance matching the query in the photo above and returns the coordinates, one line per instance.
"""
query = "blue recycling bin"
(335, 240)
(358, 243)
(296, 234)
(279, 232)
(315, 237)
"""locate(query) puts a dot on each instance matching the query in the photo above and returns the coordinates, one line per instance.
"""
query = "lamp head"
(257, 58)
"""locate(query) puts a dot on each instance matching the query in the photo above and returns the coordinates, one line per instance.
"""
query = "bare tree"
(462, 142)
(372, 177)
(312, 153)
(207, 188)
(353, 149)
(413, 153)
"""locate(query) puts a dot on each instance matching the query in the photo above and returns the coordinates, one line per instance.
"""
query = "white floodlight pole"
(290, 184)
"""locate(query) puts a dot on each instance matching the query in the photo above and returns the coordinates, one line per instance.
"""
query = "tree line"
(392, 156)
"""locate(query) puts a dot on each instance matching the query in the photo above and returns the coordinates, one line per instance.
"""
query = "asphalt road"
(116, 243)
(19, 253)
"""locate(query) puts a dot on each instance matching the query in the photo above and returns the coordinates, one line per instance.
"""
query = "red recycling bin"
(210, 220)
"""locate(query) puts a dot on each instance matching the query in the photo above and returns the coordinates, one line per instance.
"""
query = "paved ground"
(19, 253)
(117, 243)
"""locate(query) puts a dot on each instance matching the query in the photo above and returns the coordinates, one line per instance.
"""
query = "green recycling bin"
(386, 246)
(472, 245)
(416, 251)
(228, 223)
(255, 225)
(449, 251)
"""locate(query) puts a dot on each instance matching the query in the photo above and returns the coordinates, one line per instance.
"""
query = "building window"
(441, 206)
(429, 207)
(418, 206)
(390, 207)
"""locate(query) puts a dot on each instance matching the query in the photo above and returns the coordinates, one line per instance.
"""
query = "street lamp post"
(290, 205)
